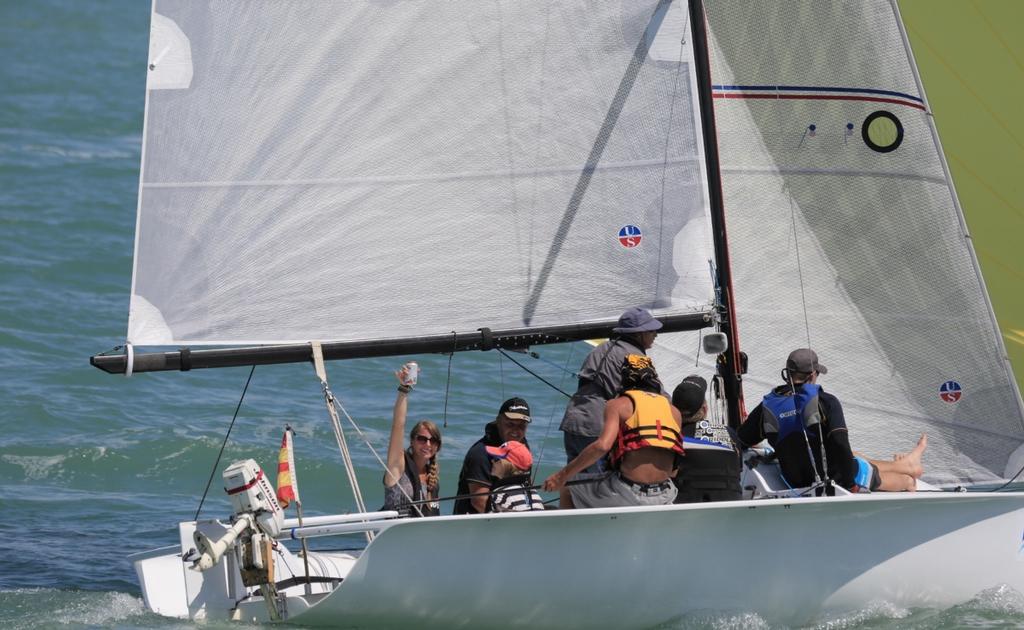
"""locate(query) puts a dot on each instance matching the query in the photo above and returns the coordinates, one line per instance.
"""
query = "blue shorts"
(867, 475)
(574, 445)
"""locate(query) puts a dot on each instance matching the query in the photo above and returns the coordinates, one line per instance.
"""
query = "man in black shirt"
(475, 476)
(799, 417)
(710, 471)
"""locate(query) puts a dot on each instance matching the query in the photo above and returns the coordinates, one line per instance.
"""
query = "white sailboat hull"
(638, 567)
(788, 560)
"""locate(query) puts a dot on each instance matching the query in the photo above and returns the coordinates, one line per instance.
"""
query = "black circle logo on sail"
(882, 131)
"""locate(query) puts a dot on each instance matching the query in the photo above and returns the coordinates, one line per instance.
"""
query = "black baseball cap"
(516, 409)
(688, 396)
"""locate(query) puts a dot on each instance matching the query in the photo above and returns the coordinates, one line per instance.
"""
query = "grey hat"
(688, 396)
(636, 320)
(805, 361)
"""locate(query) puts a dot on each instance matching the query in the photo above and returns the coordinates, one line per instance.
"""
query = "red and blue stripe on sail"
(800, 92)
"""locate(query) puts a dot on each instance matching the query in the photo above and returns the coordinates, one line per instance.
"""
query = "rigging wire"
(565, 369)
(668, 141)
(216, 464)
(551, 416)
(501, 375)
(537, 376)
(799, 270)
(448, 380)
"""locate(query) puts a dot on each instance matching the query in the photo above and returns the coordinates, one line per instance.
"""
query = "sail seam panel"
(815, 88)
(439, 177)
(733, 170)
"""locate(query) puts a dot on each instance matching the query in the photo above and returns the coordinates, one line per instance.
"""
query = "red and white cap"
(515, 452)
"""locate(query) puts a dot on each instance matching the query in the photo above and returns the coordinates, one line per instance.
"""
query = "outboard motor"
(252, 493)
(256, 522)
(257, 518)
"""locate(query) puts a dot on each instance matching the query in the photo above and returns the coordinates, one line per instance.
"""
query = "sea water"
(94, 467)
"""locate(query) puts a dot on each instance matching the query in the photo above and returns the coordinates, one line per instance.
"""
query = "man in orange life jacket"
(643, 432)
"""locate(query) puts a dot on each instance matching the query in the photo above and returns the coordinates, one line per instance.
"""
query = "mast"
(186, 359)
(731, 370)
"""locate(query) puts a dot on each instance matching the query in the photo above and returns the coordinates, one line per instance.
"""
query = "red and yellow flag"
(287, 484)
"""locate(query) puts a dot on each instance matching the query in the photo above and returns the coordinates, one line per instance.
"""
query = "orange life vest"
(652, 425)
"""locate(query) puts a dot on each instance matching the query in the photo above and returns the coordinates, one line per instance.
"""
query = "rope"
(216, 464)
(376, 455)
(483, 493)
(1011, 480)
(339, 435)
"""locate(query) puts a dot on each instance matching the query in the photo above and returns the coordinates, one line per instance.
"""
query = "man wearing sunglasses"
(475, 478)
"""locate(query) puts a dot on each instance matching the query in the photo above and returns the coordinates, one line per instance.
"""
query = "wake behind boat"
(366, 179)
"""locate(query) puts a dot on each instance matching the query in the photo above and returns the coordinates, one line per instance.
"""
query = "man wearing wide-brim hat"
(600, 380)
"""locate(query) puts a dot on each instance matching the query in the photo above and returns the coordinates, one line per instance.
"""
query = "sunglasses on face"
(423, 439)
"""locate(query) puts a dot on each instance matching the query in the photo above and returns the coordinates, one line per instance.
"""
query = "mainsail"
(416, 169)
(846, 234)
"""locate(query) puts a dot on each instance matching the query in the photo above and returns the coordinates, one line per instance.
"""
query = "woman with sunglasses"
(411, 481)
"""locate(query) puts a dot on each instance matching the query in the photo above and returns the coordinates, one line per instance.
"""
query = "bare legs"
(901, 474)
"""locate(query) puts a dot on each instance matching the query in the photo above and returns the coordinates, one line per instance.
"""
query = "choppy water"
(93, 467)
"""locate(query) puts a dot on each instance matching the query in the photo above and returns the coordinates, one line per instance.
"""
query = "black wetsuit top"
(792, 451)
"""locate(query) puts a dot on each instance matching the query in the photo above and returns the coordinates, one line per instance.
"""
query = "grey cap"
(688, 396)
(636, 320)
(805, 361)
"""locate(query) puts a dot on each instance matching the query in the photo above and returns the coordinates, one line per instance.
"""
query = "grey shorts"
(612, 490)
